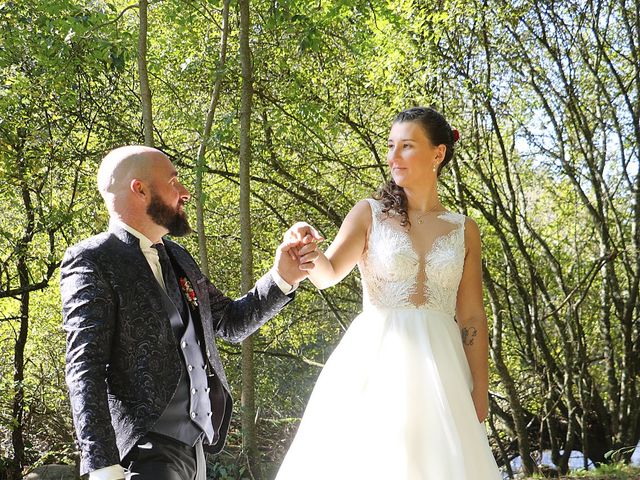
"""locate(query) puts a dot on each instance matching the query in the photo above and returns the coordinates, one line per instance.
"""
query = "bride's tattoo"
(468, 334)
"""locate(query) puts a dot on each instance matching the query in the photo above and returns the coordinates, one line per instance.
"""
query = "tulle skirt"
(393, 402)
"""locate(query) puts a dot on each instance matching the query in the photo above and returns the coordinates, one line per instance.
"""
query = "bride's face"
(411, 155)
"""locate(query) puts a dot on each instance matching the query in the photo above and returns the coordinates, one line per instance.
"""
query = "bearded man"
(147, 388)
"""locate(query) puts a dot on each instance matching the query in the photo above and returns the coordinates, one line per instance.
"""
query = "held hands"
(297, 253)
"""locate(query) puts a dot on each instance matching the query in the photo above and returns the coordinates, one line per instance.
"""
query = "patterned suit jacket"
(122, 360)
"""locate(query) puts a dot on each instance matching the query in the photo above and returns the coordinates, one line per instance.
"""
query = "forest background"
(278, 110)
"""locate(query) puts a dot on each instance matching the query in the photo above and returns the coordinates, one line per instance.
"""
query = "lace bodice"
(390, 266)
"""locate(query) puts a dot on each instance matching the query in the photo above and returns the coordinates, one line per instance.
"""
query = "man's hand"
(298, 231)
(297, 253)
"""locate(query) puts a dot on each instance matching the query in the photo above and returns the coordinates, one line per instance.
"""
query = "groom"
(147, 388)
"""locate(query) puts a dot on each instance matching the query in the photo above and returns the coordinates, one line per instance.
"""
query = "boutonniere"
(189, 292)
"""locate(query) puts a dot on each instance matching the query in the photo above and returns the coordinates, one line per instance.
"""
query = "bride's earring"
(435, 167)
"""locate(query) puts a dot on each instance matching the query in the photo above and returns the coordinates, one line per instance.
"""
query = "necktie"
(170, 280)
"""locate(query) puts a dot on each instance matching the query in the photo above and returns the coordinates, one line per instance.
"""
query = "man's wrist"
(112, 472)
(284, 286)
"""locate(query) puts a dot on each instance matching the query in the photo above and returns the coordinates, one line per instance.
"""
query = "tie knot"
(160, 248)
(163, 256)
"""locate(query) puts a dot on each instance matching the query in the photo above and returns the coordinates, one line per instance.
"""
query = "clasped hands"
(297, 253)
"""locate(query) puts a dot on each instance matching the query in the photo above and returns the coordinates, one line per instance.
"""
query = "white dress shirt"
(116, 472)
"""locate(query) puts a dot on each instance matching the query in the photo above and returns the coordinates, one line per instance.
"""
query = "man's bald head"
(123, 165)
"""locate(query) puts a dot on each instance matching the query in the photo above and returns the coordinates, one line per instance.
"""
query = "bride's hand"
(297, 237)
(481, 402)
(298, 231)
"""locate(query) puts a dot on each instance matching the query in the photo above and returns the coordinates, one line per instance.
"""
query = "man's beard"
(172, 219)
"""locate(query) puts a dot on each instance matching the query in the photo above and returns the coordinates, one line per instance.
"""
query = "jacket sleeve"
(89, 320)
(235, 320)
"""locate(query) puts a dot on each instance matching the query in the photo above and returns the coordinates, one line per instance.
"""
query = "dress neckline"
(437, 241)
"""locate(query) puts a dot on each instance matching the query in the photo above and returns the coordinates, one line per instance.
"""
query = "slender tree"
(145, 90)
(248, 401)
(206, 136)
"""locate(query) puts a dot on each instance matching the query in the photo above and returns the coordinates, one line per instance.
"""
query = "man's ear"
(138, 188)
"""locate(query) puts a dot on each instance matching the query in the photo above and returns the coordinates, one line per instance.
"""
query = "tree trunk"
(145, 91)
(22, 251)
(517, 411)
(200, 162)
(248, 375)
(17, 434)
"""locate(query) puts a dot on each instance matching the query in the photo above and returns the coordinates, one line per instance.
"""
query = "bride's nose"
(392, 155)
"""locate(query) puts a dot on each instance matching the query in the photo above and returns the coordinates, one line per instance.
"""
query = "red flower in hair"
(456, 135)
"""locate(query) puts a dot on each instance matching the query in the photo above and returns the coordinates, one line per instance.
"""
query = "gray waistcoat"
(188, 414)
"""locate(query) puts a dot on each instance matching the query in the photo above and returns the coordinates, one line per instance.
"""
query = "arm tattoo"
(468, 334)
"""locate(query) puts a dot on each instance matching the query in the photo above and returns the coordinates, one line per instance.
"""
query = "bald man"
(147, 388)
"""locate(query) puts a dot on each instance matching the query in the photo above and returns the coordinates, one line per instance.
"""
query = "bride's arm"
(472, 320)
(345, 250)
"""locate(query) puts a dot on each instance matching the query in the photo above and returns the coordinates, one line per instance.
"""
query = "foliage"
(615, 471)
(545, 95)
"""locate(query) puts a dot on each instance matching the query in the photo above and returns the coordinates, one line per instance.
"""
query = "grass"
(616, 471)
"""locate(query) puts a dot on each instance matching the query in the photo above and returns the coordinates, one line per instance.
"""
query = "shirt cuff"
(113, 472)
(282, 284)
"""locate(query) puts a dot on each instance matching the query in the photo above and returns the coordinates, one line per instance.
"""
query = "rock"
(548, 472)
(53, 472)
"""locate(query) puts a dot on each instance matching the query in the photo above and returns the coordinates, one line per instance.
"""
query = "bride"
(404, 394)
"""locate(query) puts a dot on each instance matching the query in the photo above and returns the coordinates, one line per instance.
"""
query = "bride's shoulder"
(471, 231)
(459, 218)
(361, 213)
(376, 206)
(469, 223)
(372, 208)
(369, 202)
(357, 223)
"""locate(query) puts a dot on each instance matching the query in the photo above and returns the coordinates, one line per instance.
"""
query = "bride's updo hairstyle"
(439, 132)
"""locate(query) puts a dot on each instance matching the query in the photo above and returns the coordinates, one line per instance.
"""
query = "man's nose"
(184, 194)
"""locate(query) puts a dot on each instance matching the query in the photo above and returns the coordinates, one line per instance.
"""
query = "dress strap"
(376, 211)
(455, 218)
(459, 220)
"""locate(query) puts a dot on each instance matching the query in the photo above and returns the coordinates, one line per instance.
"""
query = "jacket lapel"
(139, 267)
(199, 283)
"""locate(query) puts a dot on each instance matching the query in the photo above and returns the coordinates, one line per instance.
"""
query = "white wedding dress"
(393, 401)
